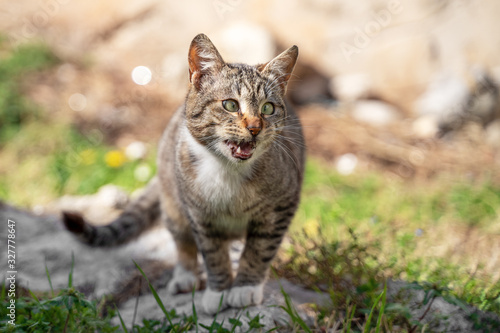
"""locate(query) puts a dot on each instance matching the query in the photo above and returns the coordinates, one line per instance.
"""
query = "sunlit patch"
(311, 228)
(141, 75)
(142, 172)
(347, 163)
(88, 156)
(136, 150)
(77, 102)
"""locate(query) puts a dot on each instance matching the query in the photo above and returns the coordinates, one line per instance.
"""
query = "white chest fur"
(219, 182)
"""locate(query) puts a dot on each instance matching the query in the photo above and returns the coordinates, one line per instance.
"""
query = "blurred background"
(399, 101)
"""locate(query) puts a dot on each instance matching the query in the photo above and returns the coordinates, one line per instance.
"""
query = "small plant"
(69, 311)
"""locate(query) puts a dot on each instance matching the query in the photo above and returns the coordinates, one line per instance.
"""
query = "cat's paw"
(183, 281)
(245, 295)
(211, 301)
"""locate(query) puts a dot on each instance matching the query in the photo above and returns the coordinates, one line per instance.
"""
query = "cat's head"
(236, 110)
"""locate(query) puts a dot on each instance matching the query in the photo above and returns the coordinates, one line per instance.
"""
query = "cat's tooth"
(238, 151)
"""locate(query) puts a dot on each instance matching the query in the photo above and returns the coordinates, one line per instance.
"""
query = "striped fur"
(139, 216)
(222, 175)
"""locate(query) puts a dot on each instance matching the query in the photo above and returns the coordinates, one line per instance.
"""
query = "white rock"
(247, 43)
(374, 113)
(350, 87)
(425, 126)
(446, 94)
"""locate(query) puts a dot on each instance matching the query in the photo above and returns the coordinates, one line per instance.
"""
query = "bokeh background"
(399, 101)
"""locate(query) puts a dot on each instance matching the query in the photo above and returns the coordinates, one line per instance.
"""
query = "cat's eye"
(267, 109)
(230, 105)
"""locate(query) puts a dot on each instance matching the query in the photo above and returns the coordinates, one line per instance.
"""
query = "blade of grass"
(121, 321)
(292, 312)
(289, 308)
(382, 309)
(217, 313)
(368, 321)
(236, 323)
(34, 296)
(349, 319)
(48, 278)
(70, 277)
(4, 289)
(157, 298)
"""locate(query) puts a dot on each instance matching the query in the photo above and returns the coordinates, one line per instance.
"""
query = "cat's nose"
(254, 130)
(254, 126)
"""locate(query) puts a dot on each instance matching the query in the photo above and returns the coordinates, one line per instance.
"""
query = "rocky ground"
(43, 242)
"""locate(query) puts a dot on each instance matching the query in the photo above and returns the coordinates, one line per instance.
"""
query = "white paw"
(246, 295)
(183, 281)
(211, 301)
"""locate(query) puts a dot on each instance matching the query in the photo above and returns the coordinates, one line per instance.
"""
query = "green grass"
(15, 109)
(64, 162)
(353, 232)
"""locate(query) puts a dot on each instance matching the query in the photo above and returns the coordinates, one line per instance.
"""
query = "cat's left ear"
(280, 68)
(203, 59)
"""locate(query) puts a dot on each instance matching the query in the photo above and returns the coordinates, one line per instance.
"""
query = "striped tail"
(141, 214)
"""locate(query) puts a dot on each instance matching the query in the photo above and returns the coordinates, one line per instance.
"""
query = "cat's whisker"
(296, 142)
(287, 151)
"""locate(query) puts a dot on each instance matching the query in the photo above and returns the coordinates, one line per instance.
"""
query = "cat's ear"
(203, 59)
(280, 68)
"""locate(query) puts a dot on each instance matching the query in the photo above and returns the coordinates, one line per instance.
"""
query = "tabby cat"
(230, 165)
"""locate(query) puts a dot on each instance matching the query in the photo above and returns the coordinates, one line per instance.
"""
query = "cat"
(230, 165)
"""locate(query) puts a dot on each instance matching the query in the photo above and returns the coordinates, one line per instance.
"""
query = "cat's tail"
(141, 214)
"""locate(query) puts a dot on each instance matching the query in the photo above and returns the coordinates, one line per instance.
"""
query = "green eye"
(267, 108)
(230, 105)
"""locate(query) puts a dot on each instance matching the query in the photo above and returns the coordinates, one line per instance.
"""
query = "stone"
(111, 271)
(375, 113)
(246, 42)
(454, 101)
(441, 315)
(425, 126)
(444, 95)
(350, 87)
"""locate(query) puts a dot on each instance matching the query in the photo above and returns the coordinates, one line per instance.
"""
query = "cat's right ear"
(280, 68)
(203, 59)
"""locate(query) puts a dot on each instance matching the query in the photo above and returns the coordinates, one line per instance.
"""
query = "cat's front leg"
(215, 252)
(262, 243)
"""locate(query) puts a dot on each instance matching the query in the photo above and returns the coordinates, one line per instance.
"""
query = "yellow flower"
(88, 156)
(311, 227)
(114, 158)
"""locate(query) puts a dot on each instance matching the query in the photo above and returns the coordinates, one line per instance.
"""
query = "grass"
(15, 65)
(350, 233)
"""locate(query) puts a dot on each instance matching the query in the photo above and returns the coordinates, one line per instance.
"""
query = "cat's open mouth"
(242, 150)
